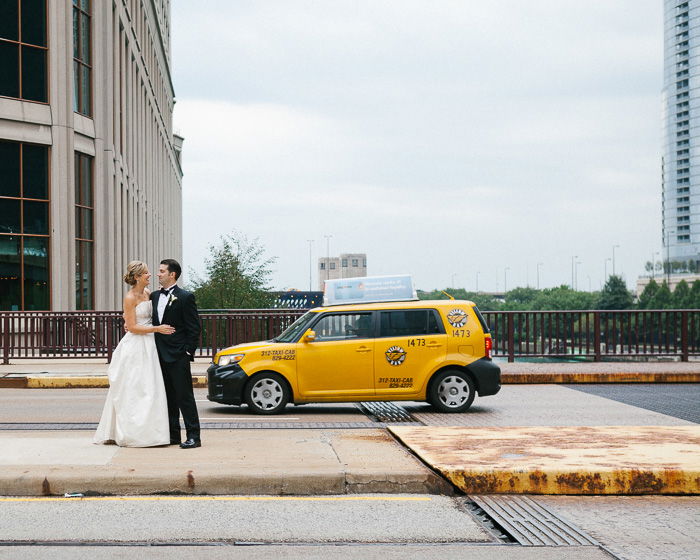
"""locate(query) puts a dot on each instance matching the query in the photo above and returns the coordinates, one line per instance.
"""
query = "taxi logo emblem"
(457, 318)
(395, 355)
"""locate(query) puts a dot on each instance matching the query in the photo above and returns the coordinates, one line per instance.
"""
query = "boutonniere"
(171, 300)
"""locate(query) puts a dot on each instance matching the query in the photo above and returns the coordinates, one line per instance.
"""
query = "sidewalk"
(87, 373)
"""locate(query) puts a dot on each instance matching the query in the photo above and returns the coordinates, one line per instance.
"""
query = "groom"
(176, 307)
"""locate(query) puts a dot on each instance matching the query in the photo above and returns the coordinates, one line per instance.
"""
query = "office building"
(347, 265)
(681, 131)
(91, 174)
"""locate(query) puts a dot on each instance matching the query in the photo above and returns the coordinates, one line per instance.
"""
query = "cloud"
(439, 138)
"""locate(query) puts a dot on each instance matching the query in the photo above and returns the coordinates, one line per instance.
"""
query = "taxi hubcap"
(453, 391)
(267, 393)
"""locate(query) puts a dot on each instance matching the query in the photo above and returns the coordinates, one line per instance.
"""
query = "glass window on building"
(23, 49)
(354, 263)
(345, 263)
(84, 234)
(24, 227)
(82, 64)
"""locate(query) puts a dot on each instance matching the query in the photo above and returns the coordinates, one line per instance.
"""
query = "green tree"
(662, 299)
(648, 294)
(563, 298)
(520, 299)
(615, 294)
(483, 301)
(681, 296)
(695, 295)
(237, 274)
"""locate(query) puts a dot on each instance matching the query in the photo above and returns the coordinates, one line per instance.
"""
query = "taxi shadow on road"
(336, 411)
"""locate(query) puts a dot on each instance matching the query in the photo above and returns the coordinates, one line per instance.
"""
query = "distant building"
(90, 174)
(681, 131)
(673, 281)
(347, 265)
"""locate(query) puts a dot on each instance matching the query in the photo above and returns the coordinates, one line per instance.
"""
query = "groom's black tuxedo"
(175, 352)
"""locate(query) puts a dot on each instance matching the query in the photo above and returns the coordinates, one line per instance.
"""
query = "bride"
(136, 411)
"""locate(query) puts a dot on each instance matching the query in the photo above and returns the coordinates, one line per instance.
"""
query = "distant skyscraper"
(681, 130)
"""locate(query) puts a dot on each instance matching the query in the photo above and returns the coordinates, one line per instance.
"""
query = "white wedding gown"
(136, 410)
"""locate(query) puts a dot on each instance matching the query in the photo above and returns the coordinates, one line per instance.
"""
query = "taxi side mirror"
(310, 336)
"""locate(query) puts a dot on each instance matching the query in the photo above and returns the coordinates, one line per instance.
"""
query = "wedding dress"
(136, 411)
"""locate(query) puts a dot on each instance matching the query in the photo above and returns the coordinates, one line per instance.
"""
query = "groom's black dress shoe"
(190, 443)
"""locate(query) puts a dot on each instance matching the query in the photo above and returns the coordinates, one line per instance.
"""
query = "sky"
(457, 141)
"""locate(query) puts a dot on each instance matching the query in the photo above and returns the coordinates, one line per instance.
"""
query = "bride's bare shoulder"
(130, 300)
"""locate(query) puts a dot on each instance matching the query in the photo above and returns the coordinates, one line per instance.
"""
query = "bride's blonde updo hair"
(133, 270)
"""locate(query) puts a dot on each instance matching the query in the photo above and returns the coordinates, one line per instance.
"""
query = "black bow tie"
(166, 291)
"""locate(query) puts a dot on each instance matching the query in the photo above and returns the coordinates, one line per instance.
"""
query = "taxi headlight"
(230, 359)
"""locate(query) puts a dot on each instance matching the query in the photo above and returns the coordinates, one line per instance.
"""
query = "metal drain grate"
(387, 412)
(531, 524)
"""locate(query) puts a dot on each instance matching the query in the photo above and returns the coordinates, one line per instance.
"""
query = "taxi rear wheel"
(267, 393)
(451, 391)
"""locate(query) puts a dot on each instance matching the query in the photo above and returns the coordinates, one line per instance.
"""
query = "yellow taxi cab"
(435, 351)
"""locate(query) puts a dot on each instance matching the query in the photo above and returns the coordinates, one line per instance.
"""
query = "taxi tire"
(451, 379)
(266, 389)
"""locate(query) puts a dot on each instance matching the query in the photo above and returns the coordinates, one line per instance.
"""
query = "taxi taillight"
(488, 345)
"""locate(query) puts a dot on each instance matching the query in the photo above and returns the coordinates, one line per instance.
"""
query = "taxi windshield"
(297, 328)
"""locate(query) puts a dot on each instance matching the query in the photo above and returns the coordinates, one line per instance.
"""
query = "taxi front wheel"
(266, 393)
(451, 391)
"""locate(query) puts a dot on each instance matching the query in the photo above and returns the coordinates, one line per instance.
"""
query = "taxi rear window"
(412, 322)
(481, 320)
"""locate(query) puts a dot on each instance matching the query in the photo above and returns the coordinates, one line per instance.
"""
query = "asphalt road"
(515, 405)
(367, 526)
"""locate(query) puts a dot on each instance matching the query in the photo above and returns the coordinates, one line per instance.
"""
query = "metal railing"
(594, 335)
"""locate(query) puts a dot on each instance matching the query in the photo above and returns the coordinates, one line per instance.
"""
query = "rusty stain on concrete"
(561, 460)
(190, 480)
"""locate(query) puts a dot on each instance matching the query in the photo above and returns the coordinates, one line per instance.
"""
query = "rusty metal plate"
(561, 460)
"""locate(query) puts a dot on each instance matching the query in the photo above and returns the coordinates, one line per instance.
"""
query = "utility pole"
(310, 242)
(539, 264)
(328, 255)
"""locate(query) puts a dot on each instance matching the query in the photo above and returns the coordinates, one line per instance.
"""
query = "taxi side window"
(412, 322)
(344, 326)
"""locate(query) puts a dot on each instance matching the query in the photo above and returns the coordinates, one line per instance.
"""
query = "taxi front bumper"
(225, 384)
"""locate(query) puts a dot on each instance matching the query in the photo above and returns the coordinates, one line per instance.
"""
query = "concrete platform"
(283, 462)
(561, 460)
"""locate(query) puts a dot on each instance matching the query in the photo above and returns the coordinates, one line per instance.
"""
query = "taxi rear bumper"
(487, 376)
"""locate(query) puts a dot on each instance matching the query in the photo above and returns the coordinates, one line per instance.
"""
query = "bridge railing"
(594, 335)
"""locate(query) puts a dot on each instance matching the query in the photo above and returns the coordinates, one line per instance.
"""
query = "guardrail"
(593, 335)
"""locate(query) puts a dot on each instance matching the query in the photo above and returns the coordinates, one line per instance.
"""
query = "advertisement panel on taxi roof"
(369, 289)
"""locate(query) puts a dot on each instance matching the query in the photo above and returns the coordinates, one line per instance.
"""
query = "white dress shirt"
(163, 302)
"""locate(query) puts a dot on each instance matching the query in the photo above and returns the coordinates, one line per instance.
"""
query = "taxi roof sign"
(369, 289)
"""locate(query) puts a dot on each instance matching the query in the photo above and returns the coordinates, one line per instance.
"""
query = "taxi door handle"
(433, 345)
(363, 349)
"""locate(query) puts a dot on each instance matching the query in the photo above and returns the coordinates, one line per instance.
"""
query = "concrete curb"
(240, 462)
(200, 381)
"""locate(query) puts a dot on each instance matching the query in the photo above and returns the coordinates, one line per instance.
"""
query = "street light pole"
(328, 255)
(538, 274)
(576, 276)
(310, 242)
(505, 280)
(613, 257)
(573, 260)
(606, 269)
